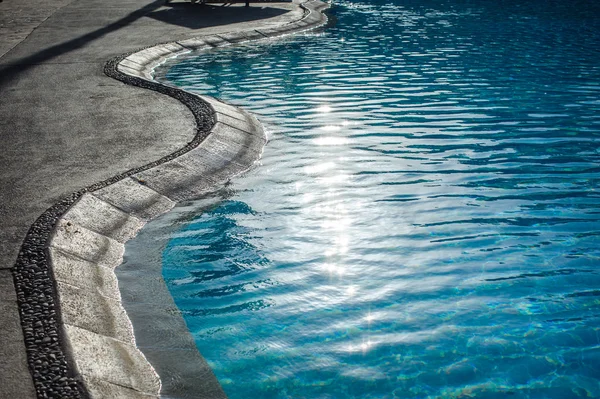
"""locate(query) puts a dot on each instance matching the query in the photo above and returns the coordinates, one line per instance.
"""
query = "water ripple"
(424, 221)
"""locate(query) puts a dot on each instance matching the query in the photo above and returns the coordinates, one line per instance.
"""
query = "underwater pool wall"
(68, 258)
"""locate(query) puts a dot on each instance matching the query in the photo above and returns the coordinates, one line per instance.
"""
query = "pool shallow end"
(88, 241)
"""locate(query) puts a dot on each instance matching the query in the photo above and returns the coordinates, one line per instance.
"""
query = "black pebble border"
(50, 362)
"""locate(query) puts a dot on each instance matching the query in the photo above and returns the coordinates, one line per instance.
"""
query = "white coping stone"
(215, 41)
(243, 36)
(214, 160)
(294, 28)
(318, 6)
(99, 389)
(165, 51)
(170, 48)
(256, 122)
(145, 56)
(175, 181)
(152, 56)
(134, 198)
(276, 31)
(244, 124)
(193, 174)
(128, 71)
(196, 43)
(133, 65)
(299, 25)
(103, 218)
(280, 30)
(241, 137)
(158, 51)
(314, 18)
(141, 57)
(90, 310)
(77, 240)
(243, 154)
(224, 108)
(84, 274)
(107, 359)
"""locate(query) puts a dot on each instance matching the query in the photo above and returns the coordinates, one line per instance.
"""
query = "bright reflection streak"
(331, 141)
(342, 243)
(351, 291)
(318, 168)
(337, 225)
(366, 345)
(340, 246)
(324, 109)
(307, 197)
(331, 128)
(363, 347)
(334, 269)
(334, 179)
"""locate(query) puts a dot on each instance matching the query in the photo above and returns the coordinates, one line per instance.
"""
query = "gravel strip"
(50, 363)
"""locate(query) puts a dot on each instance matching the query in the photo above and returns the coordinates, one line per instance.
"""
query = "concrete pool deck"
(66, 126)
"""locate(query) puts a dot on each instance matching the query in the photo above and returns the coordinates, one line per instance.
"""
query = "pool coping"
(85, 346)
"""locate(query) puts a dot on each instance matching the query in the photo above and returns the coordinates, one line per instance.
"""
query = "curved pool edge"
(89, 242)
(65, 269)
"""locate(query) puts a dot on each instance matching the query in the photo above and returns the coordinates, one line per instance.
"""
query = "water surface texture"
(425, 221)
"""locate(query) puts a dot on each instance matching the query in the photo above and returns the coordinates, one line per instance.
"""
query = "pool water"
(425, 221)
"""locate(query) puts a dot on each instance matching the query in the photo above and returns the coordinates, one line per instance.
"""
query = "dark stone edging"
(49, 361)
(49, 357)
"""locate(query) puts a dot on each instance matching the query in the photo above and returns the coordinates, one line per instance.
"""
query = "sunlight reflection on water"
(424, 221)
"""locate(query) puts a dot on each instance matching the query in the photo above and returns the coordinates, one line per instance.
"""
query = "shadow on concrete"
(194, 16)
(9, 71)
(188, 15)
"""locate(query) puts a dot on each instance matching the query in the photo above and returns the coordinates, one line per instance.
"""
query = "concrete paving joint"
(78, 337)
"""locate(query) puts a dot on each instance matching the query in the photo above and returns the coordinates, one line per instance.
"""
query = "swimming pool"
(425, 219)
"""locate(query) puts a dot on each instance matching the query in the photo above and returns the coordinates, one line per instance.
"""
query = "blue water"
(425, 221)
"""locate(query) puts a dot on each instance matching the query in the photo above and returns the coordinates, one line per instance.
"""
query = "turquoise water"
(425, 221)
